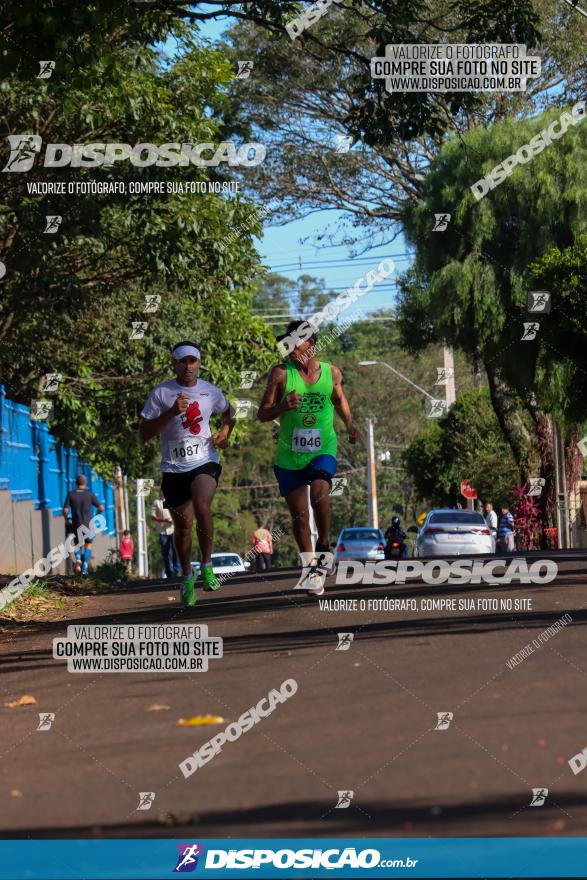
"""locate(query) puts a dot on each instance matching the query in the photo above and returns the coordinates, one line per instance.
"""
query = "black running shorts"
(177, 488)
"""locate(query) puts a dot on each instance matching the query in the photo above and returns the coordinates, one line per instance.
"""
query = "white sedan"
(224, 563)
(452, 532)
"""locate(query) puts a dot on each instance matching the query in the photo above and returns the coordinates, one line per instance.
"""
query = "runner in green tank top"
(304, 393)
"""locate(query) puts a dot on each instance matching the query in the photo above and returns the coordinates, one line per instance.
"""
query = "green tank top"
(308, 431)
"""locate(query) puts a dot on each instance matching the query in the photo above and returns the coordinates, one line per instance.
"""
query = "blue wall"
(37, 467)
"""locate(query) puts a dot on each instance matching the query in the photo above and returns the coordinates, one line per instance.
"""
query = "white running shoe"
(316, 566)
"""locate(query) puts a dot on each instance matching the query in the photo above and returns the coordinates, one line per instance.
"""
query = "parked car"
(450, 532)
(224, 563)
(362, 543)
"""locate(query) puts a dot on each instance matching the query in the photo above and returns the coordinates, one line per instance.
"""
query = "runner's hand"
(291, 401)
(181, 404)
(220, 439)
(354, 434)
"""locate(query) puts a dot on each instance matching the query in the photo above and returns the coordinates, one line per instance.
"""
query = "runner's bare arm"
(149, 428)
(341, 404)
(272, 404)
(220, 438)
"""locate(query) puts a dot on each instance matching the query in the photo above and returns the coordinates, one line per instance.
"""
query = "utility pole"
(560, 476)
(142, 549)
(373, 514)
(449, 368)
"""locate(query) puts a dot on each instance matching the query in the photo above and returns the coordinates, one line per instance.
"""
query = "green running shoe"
(188, 590)
(211, 582)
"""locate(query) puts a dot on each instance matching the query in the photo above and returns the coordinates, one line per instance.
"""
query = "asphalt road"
(362, 719)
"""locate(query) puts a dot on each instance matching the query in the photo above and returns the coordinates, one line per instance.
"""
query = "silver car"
(363, 543)
(452, 532)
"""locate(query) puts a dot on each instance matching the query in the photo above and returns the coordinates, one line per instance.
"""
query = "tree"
(302, 99)
(466, 444)
(469, 285)
(70, 299)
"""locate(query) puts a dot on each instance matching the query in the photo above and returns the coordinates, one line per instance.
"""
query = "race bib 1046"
(306, 439)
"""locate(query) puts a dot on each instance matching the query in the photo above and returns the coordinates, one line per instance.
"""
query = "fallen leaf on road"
(15, 792)
(157, 707)
(25, 700)
(200, 719)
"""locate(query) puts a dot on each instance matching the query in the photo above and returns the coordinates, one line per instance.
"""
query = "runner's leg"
(203, 489)
(319, 498)
(183, 519)
(297, 502)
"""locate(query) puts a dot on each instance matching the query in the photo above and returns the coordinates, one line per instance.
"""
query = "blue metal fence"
(35, 466)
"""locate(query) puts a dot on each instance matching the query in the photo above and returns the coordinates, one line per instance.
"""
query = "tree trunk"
(512, 424)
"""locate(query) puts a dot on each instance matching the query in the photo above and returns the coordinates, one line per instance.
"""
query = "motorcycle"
(397, 548)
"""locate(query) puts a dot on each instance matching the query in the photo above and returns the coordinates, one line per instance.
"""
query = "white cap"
(182, 351)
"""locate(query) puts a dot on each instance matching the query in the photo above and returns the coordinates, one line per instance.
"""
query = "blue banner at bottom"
(293, 857)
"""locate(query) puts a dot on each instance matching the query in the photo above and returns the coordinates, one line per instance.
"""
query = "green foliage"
(467, 444)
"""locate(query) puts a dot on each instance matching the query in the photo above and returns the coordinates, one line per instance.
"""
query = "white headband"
(183, 351)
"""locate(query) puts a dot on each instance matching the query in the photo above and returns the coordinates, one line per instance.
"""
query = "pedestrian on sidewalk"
(263, 548)
(127, 549)
(505, 531)
(491, 518)
(164, 525)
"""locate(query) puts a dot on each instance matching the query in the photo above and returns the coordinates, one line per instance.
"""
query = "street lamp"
(397, 373)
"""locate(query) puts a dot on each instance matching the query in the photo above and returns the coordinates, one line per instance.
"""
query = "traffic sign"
(467, 491)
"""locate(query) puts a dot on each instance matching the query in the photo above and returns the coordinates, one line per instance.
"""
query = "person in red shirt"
(263, 547)
(127, 549)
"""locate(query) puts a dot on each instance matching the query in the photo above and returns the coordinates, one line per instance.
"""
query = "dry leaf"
(200, 719)
(15, 792)
(25, 700)
(157, 707)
